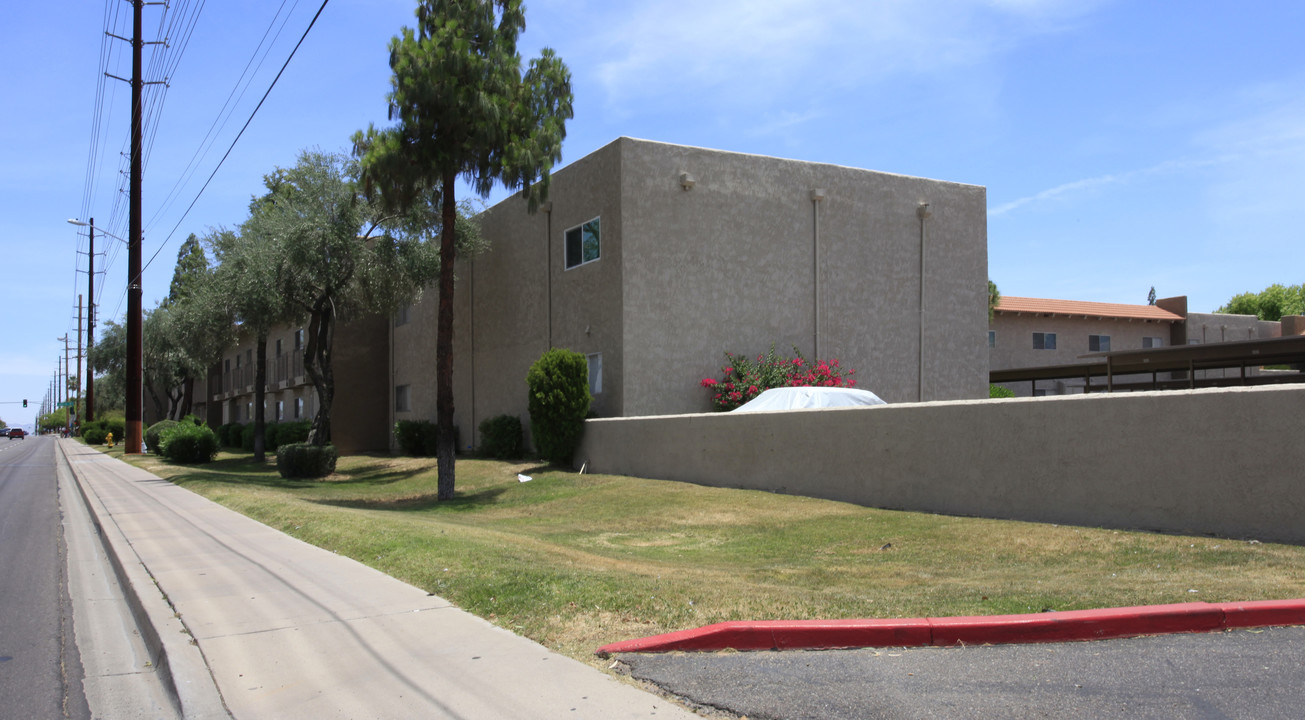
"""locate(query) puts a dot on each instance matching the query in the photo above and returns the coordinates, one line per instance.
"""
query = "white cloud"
(738, 50)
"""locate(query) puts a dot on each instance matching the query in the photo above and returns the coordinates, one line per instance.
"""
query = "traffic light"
(24, 402)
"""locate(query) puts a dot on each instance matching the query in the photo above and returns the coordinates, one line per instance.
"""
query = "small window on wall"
(582, 244)
(401, 400)
(595, 362)
(299, 340)
(992, 338)
(401, 317)
(299, 408)
(278, 347)
(1044, 341)
(280, 410)
(1152, 342)
(1098, 343)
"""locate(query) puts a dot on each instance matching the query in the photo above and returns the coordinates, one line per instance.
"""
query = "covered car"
(799, 398)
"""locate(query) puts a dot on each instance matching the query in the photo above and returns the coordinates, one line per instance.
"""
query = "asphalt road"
(40, 668)
(1241, 674)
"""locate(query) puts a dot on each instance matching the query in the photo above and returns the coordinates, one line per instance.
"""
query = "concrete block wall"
(1215, 461)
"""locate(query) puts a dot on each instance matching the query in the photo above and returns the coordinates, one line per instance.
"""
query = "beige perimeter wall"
(1220, 461)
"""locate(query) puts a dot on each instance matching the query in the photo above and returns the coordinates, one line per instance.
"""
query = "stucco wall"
(730, 265)
(1217, 461)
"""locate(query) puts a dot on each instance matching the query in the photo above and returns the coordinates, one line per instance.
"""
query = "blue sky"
(1123, 144)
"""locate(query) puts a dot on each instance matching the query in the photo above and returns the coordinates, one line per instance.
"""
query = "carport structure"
(1183, 361)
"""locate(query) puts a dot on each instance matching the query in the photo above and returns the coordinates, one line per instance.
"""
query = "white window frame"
(565, 240)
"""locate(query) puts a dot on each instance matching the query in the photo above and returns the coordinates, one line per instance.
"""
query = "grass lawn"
(577, 561)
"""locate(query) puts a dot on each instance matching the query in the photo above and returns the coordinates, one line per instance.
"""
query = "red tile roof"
(1076, 308)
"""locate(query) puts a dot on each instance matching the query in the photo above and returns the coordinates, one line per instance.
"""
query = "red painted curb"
(976, 630)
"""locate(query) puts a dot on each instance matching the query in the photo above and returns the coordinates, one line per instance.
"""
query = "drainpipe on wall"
(817, 195)
(548, 266)
(922, 210)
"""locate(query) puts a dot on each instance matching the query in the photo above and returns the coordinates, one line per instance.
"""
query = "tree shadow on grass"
(461, 502)
(245, 471)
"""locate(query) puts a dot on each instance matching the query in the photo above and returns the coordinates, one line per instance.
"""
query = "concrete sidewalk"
(261, 625)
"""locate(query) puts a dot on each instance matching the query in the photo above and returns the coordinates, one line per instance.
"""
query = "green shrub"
(94, 432)
(186, 442)
(285, 433)
(500, 437)
(559, 400)
(229, 434)
(1000, 391)
(247, 437)
(420, 438)
(154, 433)
(304, 460)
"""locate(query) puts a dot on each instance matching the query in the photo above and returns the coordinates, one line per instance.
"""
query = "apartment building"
(1039, 332)
(654, 260)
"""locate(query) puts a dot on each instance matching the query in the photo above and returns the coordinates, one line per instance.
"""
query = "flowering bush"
(743, 379)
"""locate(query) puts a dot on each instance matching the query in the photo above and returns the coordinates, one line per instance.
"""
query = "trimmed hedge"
(420, 438)
(186, 442)
(559, 400)
(286, 433)
(500, 437)
(229, 434)
(305, 460)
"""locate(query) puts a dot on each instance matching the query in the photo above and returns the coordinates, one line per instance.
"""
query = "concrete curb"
(178, 661)
(993, 629)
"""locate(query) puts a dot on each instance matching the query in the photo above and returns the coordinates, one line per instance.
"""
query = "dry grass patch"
(577, 561)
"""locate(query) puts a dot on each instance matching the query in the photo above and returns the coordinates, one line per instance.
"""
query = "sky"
(1123, 144)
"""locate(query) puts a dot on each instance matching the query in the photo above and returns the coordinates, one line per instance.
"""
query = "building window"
(401, 398)
(1044, 341)
(249, 411)
(299, 340)
(237, 361)
(278, 347)
(582, 244)
(1098, 343)
(226, 365)
(401, 315)
(595, 363)
(280, 411)
(992, 338)
(1152, 342)
(299, 408)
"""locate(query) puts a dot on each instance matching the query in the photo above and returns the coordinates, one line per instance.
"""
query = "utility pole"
(90, 330)
(67, 379)
(79, 357)
(135, 398)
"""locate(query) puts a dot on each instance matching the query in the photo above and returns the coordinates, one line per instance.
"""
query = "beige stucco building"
(1038, 332)
(654, 260)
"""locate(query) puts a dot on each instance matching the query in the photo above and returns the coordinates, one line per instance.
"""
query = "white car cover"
(797, 398)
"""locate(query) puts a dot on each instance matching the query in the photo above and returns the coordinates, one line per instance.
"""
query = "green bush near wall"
(500, 437)
(419, 438)
(559, 400)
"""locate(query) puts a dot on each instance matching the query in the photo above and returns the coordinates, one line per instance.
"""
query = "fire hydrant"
(108, 439)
